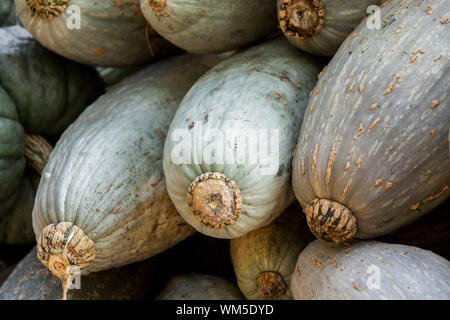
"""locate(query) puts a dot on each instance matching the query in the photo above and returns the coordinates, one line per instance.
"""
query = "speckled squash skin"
(30, 280)
(112, 33)
(271, 250)
(40, 93)
(105, 174)
(329, 272)
(374, 138)
(199, 287)
(339, 19)
(211, 26)
(265, 87)
(7, 13)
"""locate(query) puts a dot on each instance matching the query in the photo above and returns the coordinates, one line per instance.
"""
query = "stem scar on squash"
(301, 19)
(214, 199)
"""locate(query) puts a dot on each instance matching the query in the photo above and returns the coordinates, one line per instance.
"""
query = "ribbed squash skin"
(341, 17)
(105, 174)
(265, 87)
(199, 287)
(7, 13)
(273, 248)
(374, 138)
(111, 34)
(327, 272)
(31, 280)
(16, 225)
(40, 93)
(211, 26)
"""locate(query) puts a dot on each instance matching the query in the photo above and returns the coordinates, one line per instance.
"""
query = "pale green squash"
(264, 88)
(320, 26)
(369, 270)
(211, 26)
(372, 153)
(104, 182)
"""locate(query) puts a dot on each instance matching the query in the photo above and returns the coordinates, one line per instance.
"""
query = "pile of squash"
(118, 172)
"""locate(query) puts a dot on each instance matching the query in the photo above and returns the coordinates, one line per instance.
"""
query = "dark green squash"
(31, 280)
(369, 270)
(264, 259)
(40, 93)
(320, 26)
(372, 153)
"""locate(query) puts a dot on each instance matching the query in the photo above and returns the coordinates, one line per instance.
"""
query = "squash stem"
(47, 9)
(65, 250)
(214, 199)
(37, 152)
(271, 285)
(301, 19)
(331, 221)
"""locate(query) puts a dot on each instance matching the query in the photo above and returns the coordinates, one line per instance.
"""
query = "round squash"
(110, 33)
(372, 153)
(211, 26)
(102, 202)
(7, 13)
(263, 90)
(264, 259)
(199, 287)
(369, 270)
(30, 280)
(320, 26)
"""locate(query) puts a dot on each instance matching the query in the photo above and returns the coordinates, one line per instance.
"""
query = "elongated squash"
(30, 280)
(369, 270)
(372, 153)
(102, 202)
(199, 287)
(227, 157)
(40, 93)
(320, 26)
(211, 26)
(264, 259)
(105, 33)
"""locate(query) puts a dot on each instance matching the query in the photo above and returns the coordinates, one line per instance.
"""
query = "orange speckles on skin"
(434, 104)
(374, 123)
(390, 148)
(99, 52)
(311, 109)
(306, 137)
(347, 166)
(351, 74)
(303, 167)
(350, 88)
(428, 10)
(361, 88)
(388, 89)
(359, 132)
(432, 133)
(378, 182)
(314, 158)
(159, 133)
(388, 185)
(358, 164)
(413, 59)
(330, 164)
(438, 58)
(444, 20)
(373, 107)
